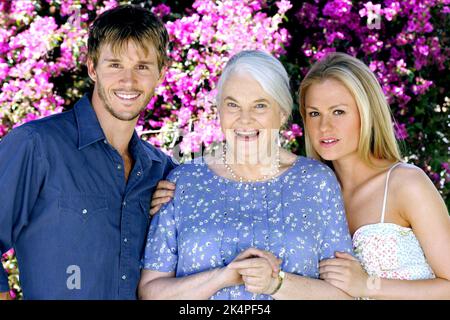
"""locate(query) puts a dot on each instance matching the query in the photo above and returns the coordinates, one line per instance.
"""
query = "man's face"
(125, 81)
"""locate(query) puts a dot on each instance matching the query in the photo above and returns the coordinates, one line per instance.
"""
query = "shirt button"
(105, 141)
(84, 211)
(139, 173)
(119, 167)
(124, 203)
(124, 277)
(125, 240)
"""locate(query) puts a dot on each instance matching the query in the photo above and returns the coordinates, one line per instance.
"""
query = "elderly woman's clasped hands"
(257, 269)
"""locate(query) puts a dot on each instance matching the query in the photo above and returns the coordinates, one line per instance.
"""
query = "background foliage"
(43, 51)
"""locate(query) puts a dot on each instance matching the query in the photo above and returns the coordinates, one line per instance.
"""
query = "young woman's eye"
(338, 112)
(114, 65)
(313, 114)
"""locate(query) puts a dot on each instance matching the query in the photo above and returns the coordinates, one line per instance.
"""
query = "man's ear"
(162, 74)
(91, 70)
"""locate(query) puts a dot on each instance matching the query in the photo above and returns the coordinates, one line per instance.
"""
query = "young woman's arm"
(303, 288)
(418, 201)
(258, 278)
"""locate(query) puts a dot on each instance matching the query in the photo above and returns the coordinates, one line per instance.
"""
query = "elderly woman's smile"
(246, 134)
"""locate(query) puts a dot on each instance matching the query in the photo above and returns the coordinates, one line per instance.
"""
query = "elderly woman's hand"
(259, 270)
(164, 193)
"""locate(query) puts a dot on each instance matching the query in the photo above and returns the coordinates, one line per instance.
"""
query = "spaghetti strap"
(386, 189)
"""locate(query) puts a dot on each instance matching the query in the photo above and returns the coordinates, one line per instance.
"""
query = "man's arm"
(22, 172)
(165, 191)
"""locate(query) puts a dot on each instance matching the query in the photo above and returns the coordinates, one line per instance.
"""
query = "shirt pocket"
(82, 207)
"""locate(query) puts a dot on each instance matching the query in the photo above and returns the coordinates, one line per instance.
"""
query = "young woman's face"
(250, 118)
(332, 120)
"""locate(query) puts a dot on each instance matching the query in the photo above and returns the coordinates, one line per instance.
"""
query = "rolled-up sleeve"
(336, 236)
(22, 172)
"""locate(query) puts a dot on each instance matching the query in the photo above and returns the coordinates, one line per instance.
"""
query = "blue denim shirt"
(77, 226)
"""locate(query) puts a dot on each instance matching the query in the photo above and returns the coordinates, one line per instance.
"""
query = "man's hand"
(5, 296)
(163, 194)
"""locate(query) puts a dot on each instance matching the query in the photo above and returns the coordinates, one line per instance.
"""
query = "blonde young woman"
(399, 223)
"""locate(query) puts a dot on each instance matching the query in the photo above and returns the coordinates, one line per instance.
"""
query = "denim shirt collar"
(90, 131)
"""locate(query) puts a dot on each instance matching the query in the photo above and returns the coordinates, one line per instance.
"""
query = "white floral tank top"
(390, 251)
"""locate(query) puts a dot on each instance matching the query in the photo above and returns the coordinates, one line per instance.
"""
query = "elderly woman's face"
(250, 118)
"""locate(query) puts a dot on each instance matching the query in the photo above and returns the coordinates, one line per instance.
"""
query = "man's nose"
(128, 77)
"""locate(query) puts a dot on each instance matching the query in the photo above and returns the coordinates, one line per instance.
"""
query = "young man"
(75, 187)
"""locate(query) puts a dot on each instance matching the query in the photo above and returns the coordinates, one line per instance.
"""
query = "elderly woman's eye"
(260, 106)
(232, 105)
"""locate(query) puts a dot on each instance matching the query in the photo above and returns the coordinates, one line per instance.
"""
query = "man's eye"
(313, 114)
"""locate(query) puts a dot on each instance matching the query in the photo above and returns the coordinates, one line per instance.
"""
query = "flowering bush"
(406, 44)
(43, 52)
(202, 42)
(10, 265)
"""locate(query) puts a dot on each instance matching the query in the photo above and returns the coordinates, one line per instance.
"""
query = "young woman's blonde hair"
(377, 137)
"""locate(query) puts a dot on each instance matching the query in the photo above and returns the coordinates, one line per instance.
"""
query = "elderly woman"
(240, 213)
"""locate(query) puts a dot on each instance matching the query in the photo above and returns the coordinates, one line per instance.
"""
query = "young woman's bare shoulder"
(409, 178)
(412, 189)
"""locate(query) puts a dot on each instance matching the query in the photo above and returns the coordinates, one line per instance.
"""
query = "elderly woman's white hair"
(266, 70)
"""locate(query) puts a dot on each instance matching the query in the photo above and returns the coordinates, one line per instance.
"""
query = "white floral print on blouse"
(298, 216)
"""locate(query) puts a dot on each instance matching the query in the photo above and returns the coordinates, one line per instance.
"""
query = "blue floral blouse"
(298, 216)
